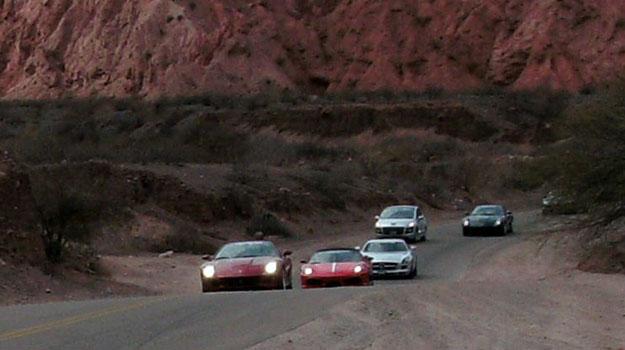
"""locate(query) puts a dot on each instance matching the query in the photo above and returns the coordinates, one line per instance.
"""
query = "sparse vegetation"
(269, 225)
(284, 155)
(588, 165)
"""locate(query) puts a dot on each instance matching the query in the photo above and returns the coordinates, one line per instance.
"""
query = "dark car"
(558, 204)
(247, 266)
(336, 268)
(488, 219)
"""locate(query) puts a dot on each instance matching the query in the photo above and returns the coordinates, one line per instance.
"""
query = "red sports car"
(335, 268)
(247, 266)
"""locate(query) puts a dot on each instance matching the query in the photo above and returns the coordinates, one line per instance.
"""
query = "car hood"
(484, 219)
(334, 269)
(394, 222)
(388, 257)
(241, 267)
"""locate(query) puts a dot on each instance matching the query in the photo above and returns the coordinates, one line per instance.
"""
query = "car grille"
(384, 266)
(334, 282)
(240, 283)
(393, 230)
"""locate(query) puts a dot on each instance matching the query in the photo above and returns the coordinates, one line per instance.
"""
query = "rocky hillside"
(53, 48)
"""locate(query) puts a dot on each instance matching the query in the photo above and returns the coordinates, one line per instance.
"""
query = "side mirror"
(357, 247)
(377, 217)
(207, 257)
(287, 253)
(467, 214)
(509, 213)
(303, 262)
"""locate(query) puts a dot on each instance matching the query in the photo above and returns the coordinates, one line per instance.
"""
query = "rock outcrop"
(55, 48)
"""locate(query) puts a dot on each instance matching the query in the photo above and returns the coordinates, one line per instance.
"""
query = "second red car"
(336, 268)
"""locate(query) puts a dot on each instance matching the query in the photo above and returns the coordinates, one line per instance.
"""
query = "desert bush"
(331, 185)
(269, 225)
(316, 150)
(63, 217)
(589, 166)
(184, 238)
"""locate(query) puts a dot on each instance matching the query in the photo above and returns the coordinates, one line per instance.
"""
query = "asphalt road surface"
(223, 320)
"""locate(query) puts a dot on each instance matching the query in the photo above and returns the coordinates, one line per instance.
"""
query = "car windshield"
(385, 247)
(488, 211)
(336, 256)
(398, 213)
(247, 250)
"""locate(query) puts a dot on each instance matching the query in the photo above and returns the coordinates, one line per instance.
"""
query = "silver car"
(391, 257)
(403, 221)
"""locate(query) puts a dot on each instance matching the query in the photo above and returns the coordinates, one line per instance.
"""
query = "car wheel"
(413, 272)
(465, 233)
(290, 286)
(205, 288)
(510, 229)
(424, 238)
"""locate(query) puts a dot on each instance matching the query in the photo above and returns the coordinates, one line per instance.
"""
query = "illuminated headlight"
(466, 222)
(412, 224)
(208, 271)
(271, 267)
(498, 222)
(308, 271)
(358, 269)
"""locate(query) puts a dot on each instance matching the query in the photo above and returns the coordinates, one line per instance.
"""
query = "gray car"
(402, 221)
(391, 257)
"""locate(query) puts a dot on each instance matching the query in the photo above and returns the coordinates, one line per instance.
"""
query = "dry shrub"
(185, 238)
(269, 225)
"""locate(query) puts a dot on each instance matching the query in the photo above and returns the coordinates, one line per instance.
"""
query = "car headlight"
(377, 224)
(208, 271)
(406, 260)
(466, 222)
(498, 222)
(358, 269)
(271, 267)
(412, 224)
(308, 271)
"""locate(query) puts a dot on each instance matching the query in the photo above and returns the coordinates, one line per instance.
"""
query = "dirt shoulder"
(528, 295)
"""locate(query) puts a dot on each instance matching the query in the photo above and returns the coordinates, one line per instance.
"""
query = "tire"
(290, 286)
(466, 233)
(205, 288)
(423, 238)
(413, 272)
(511, 229)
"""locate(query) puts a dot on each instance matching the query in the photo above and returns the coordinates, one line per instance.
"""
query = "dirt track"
(527, 295)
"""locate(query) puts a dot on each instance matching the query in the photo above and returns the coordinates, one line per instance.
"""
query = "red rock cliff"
(51, 48)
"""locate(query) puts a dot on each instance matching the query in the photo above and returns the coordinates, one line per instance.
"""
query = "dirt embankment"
(122, 48)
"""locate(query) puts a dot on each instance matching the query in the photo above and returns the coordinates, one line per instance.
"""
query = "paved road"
(222, 320)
